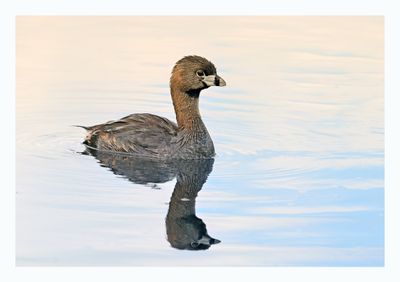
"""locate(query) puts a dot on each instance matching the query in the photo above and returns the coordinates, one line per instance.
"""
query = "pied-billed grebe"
(152, 136)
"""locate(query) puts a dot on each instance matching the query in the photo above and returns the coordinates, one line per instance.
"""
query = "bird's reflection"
(185, 230)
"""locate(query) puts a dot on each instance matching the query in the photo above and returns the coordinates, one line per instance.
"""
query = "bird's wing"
(136, 133)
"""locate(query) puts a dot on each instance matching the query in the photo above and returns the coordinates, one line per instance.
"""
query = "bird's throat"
(186, 105)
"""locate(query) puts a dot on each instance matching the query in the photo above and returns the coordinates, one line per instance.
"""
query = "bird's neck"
(186, 105)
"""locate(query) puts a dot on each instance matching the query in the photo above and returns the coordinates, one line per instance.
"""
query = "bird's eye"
(200, 73)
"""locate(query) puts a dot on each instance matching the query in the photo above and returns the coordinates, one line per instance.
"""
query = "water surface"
(299, 173)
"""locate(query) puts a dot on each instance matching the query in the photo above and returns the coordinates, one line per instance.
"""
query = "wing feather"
(136, 133)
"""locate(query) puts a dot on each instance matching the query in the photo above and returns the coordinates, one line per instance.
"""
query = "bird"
(152, 136)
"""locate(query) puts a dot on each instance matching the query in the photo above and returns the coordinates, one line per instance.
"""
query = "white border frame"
(390, 272)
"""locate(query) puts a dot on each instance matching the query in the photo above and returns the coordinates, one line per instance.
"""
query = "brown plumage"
(152, 136)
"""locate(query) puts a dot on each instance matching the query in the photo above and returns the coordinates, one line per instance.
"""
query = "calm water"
(299, 175)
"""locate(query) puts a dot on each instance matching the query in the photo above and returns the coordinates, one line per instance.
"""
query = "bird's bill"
(214, 80)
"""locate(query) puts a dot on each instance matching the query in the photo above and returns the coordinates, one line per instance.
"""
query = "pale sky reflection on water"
(299, 134)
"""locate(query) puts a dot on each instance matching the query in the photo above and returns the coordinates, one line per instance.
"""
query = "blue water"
(298, 179)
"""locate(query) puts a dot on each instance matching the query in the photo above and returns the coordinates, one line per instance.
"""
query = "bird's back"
(143, 134)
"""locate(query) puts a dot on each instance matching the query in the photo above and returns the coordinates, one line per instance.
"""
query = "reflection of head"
(188, 233)
(184, 229)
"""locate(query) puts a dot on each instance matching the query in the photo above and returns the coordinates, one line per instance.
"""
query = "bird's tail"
(84, 127)
(89, 135)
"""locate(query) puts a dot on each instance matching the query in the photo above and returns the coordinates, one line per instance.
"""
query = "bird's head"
(191, 74)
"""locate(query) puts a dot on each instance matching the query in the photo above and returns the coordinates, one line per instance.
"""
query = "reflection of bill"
(185, 230)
